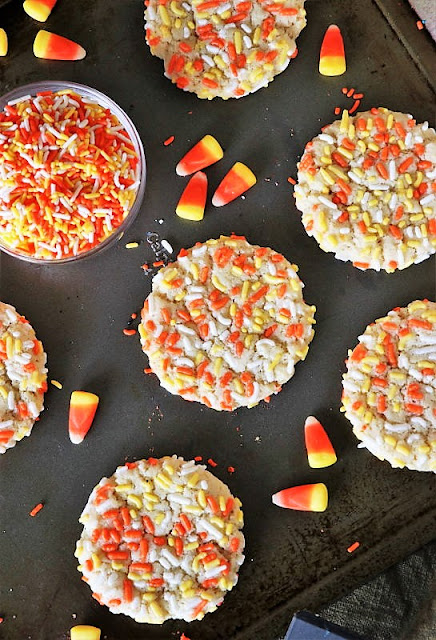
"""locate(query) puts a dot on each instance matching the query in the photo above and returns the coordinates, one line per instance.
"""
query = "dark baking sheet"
(294, 560)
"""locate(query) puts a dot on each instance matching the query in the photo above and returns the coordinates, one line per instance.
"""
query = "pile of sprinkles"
(23, 377)
(367, 189)
(390, 387)
(69, 174)
(162, 539)
(226, 323)
(224, 48)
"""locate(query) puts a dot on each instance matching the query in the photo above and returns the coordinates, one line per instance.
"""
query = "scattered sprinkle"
(420, 25)
(212, 462)
(158, 263)
(132, 245)
(148, 370)
(231, 469)
(337, 111)
(198, 458)
(56, 384)
(353, 547)
(36, 509)
(291, 180)
(354, 107)
(134, 316)
(169, 141)
(166, 245)
(129, 332)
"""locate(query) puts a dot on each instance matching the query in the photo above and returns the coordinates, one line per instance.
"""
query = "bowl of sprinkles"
(72, 172)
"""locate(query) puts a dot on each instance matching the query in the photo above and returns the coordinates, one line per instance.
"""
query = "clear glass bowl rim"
(102, 99)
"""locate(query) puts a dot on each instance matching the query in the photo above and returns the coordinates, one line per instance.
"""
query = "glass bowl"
(103, 100)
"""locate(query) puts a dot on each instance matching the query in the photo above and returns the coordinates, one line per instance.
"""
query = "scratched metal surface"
(294, 560)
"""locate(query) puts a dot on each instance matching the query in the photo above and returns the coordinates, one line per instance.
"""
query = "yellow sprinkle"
(134, 500)
(164, 15)
(132, 245)
(149, 597)
(201, 498)
(237, 38)
(56, 384)
(120, 488)
(159, 518)
(344, 121)
(193, 480)
(424, 448)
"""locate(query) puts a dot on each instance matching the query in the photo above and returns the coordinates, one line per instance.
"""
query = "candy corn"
(83, 406)
(85, 632)
(307, 497)
(332, 56)
(53, 47)
(203, 154)
(238, 180)
(320, 452)
(39, 9)
(193, 199)
(3, 42)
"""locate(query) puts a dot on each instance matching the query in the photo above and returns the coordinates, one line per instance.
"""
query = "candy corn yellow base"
(319, 498)
(85, 632)
(332, 66)
(321, 460)
(37, 10)
(190, 212)
(3, 42)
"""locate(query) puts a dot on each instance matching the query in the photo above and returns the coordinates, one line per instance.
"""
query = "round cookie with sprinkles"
(226, 323)
(366, 189)
(23, 378)
(224, 48)
(390, 387)
(161, 539)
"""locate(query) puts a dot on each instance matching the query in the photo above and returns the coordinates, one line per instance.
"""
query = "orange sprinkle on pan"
(129, 332)
(212, 462)
(169, 141)
(353, 547)
(36, 509)
(291, 180)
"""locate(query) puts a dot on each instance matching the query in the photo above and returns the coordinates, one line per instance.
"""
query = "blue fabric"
(400, 604)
